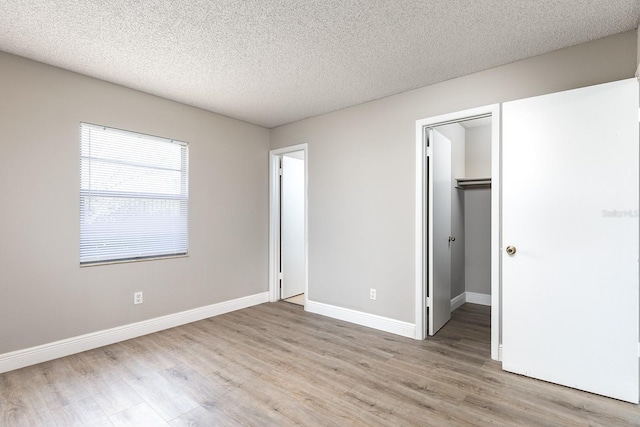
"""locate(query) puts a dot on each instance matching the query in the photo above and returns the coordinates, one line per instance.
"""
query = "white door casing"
(421, 214)
(275, 157)
(570, 208)
(439, 231)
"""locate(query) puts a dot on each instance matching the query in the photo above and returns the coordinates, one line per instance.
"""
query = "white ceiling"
(273, 62)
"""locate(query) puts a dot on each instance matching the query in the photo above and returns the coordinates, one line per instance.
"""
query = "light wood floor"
(275, 364)
(296, 299)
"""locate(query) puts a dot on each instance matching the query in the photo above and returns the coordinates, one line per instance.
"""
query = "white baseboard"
(42, 353)
(470, 297)
(475, 298)
(374, 321)
(458, 301)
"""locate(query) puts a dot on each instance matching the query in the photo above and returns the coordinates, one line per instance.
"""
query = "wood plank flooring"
(275, 364)
(296, 299)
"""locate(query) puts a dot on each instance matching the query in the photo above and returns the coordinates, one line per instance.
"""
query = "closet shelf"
(473, 183)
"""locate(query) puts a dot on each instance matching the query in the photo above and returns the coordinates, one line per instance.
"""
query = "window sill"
(128, 261)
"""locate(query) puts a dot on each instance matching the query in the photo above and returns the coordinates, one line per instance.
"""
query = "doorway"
(459, 218)
(443, 184)
(288, 224)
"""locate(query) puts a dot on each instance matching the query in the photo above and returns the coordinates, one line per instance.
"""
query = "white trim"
(472, 298)
(496, 232)
(476, 298)
(420, 294)
(380, 323)
(42, 353)
(420, 298)
(274, 219)
(458, 301)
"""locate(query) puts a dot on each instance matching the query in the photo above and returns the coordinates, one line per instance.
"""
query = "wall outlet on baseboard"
(137, 297)
(372, 294)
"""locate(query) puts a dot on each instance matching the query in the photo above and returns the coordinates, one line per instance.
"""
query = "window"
(133, 196)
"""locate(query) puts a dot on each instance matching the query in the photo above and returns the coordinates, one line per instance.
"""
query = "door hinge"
(280, 171)
(428, 151)
(428, 301)
(280, 275)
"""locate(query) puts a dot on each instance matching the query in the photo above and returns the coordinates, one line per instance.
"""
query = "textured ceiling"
(273, 62)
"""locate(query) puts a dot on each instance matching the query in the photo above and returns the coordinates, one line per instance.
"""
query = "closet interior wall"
(477, 212)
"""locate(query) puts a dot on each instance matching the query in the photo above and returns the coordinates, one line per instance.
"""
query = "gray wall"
(44, 294)
(478, 152)
(638, 46)
(362, 170)
(477, 212)
(477, 250)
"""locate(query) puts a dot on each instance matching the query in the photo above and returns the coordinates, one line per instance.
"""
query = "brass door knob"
(511, 250)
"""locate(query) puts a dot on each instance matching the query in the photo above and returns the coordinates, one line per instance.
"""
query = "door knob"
(511, 250)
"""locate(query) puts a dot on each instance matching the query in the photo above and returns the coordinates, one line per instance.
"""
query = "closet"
(470, 245)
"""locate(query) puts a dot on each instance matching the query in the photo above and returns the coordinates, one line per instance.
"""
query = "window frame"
(87, 193)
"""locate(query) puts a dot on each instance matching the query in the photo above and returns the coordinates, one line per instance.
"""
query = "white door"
(570, 210)
(439, 232)
(292, 227)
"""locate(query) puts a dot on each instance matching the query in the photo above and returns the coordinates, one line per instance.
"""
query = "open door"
(570, 238)
(439, 231)
(292, 255)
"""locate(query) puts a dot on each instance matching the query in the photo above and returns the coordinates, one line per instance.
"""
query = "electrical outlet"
(372, 294)
(137, 297)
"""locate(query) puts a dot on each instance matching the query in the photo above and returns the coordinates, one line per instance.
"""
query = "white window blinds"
(133, 195)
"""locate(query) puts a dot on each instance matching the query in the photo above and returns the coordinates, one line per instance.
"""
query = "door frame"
(422, 214)
(274, 219)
